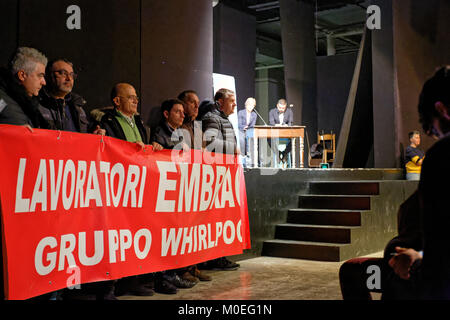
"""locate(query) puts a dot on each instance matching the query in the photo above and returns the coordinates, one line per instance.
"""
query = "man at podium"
(246, 122)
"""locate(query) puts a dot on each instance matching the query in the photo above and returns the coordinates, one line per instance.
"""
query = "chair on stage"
(323, 151)
(328, 142)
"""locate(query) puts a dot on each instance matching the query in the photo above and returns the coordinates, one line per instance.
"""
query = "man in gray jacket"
(218, 131)
(219, 137)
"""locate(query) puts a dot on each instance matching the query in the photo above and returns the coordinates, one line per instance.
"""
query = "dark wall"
(386, 152)
(106, 49)
(170, 51)
(334, 77)
(176, 51)
(269, 87)
(9, 11)
(235, 49)
(421, 44)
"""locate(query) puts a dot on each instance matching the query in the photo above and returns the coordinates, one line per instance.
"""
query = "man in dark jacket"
(63, 110)
(123, 121)
(219, 137)
(193, 127)
(281, 116)
(19, 88)
(218, 131)
(170, 136)
(430, 270)
(61, 107)
(191, 108)
(167, 133)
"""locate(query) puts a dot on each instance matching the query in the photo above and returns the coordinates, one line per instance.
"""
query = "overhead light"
(215, 2)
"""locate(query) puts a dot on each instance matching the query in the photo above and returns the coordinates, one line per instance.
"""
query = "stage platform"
(323, 214)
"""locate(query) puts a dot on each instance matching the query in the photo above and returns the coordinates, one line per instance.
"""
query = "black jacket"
(218, 131)
(432, 274)
(106, 118)
(16, 107)
(53, 110)
(167, 137)
(274, 117)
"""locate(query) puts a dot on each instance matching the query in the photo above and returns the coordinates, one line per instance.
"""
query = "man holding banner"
(220, 138)
(107, 209)
(193, 128)
(19, 88)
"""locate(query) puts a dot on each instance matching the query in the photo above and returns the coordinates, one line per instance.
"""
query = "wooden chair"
(312, 162)
(328, 141)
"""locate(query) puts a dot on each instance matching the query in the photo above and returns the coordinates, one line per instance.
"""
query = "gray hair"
(223, 94)
(26, 59)
(250, 100)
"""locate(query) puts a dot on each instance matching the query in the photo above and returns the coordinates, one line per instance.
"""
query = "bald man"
(123, 121)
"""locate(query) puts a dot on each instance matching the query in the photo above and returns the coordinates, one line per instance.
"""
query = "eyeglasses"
(135, 98)
(66, 74)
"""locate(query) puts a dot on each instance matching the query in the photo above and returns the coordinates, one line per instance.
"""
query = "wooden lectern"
(291, 132)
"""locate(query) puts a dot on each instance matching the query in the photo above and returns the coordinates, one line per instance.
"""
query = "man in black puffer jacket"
(217, 129)
(19, 88)
(219, 137)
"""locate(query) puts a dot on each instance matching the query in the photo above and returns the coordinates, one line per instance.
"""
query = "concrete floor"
(266, 278)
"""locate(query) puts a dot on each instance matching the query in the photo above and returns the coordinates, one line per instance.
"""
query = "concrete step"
(325, 217)
(319, 251)
(344, 188)
(334, 202)
(314, 233)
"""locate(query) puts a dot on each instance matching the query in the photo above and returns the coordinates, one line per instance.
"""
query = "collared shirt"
(281, 117)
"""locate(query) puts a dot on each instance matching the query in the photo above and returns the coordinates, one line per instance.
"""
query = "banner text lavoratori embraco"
(76, 184)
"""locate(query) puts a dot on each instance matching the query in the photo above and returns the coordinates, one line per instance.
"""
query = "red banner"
(80, 208)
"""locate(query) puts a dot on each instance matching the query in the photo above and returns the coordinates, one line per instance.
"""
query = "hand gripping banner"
(79, 208)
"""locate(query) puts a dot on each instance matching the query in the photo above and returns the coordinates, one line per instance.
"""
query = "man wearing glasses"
(61, 107)
(123, 120)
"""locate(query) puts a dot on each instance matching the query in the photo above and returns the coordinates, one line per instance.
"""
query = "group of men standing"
(36, 93)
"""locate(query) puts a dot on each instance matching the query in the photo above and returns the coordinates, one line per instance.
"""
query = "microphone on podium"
(254, 109)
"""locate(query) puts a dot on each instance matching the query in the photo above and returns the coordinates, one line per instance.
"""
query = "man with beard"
(61, 107)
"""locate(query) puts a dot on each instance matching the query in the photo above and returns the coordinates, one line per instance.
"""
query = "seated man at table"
(282, 116)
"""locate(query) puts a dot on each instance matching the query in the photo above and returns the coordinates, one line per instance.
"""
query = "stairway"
(326, 223)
